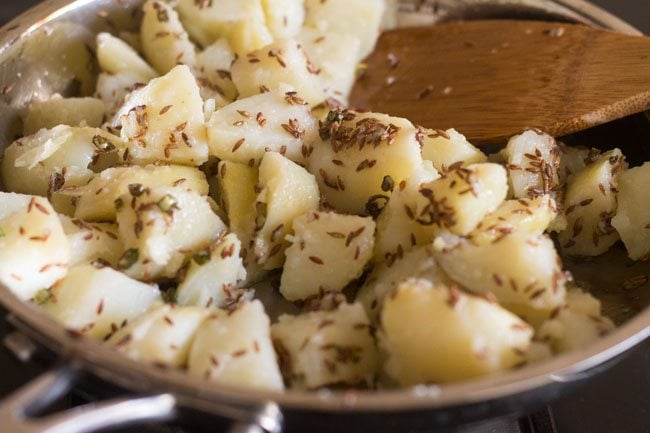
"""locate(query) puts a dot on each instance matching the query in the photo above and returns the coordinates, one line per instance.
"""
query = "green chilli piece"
(129, 258)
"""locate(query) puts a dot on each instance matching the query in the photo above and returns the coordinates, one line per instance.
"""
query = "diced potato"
(572, 160)
(336, 56)
(91, 242)
(213, 72)
(164, 121)
(159, 226)
(113, 89)
(576, 325)
(435, 334)
(589, 205)
(361, 18)
(241, 22)
(632, 220)
(213, 275)
(235, 348)
(533, 160)
(64, 111)
(248, 128)
(522, 270)
(282, 66)
(116, 56)
(417, 263)
(96, 201)
(446, 148)
(360, 153)
(288, 190)
(284, 17)
(333, 246)
(163, 335)
(97, 301)
(326, 347)
(165, 42)
(399, 227)
(34, 252)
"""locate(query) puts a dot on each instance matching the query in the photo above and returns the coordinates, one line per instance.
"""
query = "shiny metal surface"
(46, 51)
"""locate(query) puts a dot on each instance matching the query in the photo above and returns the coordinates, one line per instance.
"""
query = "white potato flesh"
(399, 227)
(326, 347)
(522, 270)
(241, 22)
(165, 42)
(336, 56)
(284, 17)
(34, 251)
(164, 121)
(417, 263)
(271, 122)
(214, 275)
(96, 200)
(115, 56)
(162, 336)
(632, 220)
(446, 148)
(97, 301)
(213, 72)
(281, 66)
(589, 206)
(288, 191)
(159, 226)
(63, 111)
(112, 89)
(333, 246)
(92, 241)
(361, 18)
(235, 348)
(533, 161)
(359, 153)
(436, 334)
(572, 160)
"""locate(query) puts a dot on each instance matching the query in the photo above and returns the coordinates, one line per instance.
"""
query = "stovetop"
(617, 401)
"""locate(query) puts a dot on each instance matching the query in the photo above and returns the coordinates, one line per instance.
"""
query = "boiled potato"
(34, 251)
(632, 220)
(165, 42)
(63, 111)
(213, 73)
(214, 275)
(333, 246)
(589, 205)
(159, 226)
(90, 242)
(97, 301)
(282, 66)
(573, 159)
(113, 89)
(163, 335)
(359, 153)
(446, 148)
(284, 18)
(288, 190)
(326, 347)
(116, 56)
(164, 121)
(435, 334)
(96, 200)
(235, 348)
(248, 128)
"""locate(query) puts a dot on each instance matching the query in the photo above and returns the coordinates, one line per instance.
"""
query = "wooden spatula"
(493, 79)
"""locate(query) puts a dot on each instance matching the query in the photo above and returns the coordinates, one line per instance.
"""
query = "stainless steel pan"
(46, 51)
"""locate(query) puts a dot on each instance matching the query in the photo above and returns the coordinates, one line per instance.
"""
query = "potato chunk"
(213, 275)
(213, 72)
(165, 42)
(360, 153)
(281, 66)
(91, 242)
(96, 200)
(163, 335)
(159, 226)
(235, 348)
(335, 247)
(589, 205)
(164, 121)
(97, 301)
(446, 148)
(326, 347)
(633, 216)
(113, 89)
(116, 56)
(34, 252)
(288, 190)
(248, 128)
(63, 111)
(284, 17)
(436, 334)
